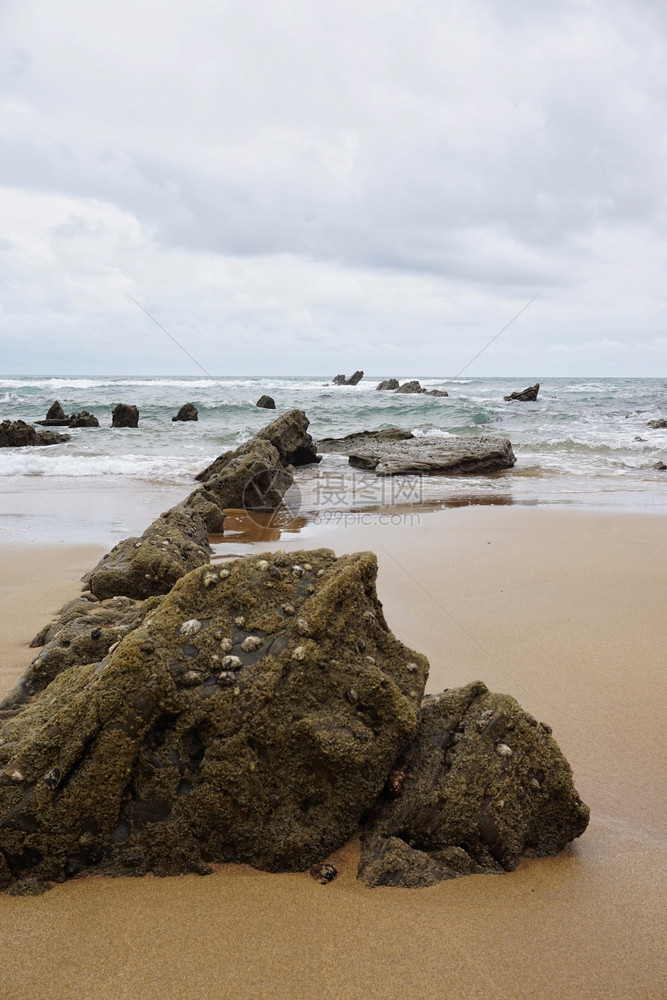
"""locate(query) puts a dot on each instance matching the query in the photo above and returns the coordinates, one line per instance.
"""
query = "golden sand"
(566, 611)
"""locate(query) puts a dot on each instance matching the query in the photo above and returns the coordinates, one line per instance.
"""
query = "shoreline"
(564, 609)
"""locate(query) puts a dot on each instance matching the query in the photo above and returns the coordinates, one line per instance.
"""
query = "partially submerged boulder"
(124, 415)
(187, 412)
(659, 424)
(415, 387)
(528, 395)
(352, 380)
(445, 456)
(481, 784)
(83, 419)
(288, 434)
(254, 715)
(266, 402)
(388, 383)
(18, 434)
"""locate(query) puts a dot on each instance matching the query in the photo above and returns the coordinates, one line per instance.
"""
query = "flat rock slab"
(447, 456)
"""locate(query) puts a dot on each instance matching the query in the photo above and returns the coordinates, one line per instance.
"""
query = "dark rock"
(657, 424)
(528, 395)
(83, 419)
(288, 434)
(481, 784)
(56, 412)
(215, 730)
(267, 402)
(350, 442)
(411, 387)
(324, 874)
(338, 380)
(124, 415)
(54, 423)
(84, 632)
(660, 466)
(170, 547)
(436, 392)
(352, 380)
(388, 383)
(187, 412)
(18, 434)
(450, 456)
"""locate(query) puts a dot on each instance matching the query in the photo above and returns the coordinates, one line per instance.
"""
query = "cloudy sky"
(290, 187)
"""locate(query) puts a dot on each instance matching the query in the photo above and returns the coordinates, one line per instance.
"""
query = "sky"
(294, 188)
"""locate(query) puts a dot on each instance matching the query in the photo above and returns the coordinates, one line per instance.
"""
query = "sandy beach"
(562, 609)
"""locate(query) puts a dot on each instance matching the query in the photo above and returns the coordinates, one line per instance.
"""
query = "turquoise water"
(585, 441)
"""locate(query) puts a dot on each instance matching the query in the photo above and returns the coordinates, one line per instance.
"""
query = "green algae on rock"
(481, 784)
(254, 715)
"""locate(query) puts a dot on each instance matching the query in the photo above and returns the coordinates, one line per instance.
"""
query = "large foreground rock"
(254, 715)
(18, 434)
(288, 434)
(482, 784)
(449, 456)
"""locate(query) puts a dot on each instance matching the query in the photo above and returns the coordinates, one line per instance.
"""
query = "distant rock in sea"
(124, 415)
(266, 402)
(528, 395)
(187, 412)
(83, 419)
(18, 434)
(388, 383)
(352, 380)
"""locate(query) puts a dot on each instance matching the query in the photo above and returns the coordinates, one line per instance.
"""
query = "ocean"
(583, 442)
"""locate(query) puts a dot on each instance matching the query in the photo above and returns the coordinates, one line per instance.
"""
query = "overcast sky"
(296, 188)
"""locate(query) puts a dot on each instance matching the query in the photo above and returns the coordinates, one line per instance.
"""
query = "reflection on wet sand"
(249, 526)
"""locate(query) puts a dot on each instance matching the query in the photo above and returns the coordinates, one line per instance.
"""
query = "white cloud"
(386, 177)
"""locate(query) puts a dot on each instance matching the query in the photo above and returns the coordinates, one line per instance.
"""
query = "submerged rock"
(528, 395)
(187, 412)
(660, 424)
(448, 456)
(481, 784)
(124, 415)
(173, 753)
(18, 434)
(388, 383)
(415, 388)
(266, 402)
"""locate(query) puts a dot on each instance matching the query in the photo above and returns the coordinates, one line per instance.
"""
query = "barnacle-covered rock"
(481, 784)
(161, 758)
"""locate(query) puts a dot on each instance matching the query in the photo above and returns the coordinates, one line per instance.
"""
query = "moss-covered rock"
(481, 784)
(254, 715)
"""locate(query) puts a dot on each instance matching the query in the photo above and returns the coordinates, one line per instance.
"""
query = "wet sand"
(564, 610)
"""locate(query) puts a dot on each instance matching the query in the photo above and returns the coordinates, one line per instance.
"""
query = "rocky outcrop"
(175, 543)
(360, 439)
(481, 784)
(448, 456)
(528, 395)
(55, 417)
(660, 424)
(254, 716)
(388, 383)
(84, 631)
(56, 412)
(187, 412)
(83, 419)
(124, 415)
(415, 388)
(352, 380)
(288, 434)
(18, 434)
(266, 402)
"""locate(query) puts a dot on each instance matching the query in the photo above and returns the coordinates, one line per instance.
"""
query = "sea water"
(584, 441)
